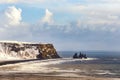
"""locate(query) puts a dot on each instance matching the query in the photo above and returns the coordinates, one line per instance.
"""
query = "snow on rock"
(26, 50)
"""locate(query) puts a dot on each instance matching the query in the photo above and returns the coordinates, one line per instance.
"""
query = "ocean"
(104, 64)
(98, 64)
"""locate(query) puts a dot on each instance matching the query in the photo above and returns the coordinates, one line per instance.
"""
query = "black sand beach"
(41, 77)
(53, 69)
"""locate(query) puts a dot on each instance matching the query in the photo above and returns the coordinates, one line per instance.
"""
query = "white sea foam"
(102, 72)
(59, 61)
(55, 61)
(69, 75)
(41, 66)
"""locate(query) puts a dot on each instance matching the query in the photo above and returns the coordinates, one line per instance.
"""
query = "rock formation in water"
(28, 50)
(81, 55)
(75, 55)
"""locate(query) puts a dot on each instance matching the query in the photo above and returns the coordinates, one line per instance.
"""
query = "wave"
(103, 72)
(62, 60)
(40, 65)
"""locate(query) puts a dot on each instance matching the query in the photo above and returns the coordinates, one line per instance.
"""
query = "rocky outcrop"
(28, 50)
(81, 55)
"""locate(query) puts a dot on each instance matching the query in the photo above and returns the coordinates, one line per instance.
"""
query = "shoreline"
(51, 69)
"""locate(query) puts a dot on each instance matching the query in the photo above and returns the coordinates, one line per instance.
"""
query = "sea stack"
(25, 50)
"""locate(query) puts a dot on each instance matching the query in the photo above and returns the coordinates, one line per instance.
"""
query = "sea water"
(104, 64)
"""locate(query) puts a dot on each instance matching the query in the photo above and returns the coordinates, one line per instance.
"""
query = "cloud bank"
(85, 25)
(8, 1)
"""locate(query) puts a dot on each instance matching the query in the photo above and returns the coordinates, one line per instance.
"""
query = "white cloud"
(93, 18)
(111, 1)
(11, 23)
(8, 1)
(12, 16)
(48, 18)
(31, 1)
(26, 1)
(56, 1)
(103, 1)
(105, 17)
(99, 25)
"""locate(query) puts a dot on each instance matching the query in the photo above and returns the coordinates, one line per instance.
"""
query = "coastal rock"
(24, 50)
(75, 55)
(81, 55)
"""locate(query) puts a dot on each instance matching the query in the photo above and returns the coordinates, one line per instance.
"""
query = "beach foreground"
(54, 69)
(41, 77)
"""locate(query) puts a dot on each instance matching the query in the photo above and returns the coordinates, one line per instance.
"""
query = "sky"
(71, 25)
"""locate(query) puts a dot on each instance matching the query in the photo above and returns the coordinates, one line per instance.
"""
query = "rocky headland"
(25, 50)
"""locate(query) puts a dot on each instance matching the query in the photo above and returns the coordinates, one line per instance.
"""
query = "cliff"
(24, 50)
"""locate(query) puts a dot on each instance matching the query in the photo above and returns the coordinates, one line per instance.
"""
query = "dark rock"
(81, 55)
(75, 55)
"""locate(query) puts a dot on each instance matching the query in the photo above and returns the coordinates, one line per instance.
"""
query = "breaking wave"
(39, 65)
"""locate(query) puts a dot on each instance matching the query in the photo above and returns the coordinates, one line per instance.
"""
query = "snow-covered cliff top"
(14, 42)
(19, 42)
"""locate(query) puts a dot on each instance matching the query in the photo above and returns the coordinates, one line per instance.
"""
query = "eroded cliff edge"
(28, 50)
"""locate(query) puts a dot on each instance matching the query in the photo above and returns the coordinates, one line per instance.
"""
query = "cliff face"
(28, 50)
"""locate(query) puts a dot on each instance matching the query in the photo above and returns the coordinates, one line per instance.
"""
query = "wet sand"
(41, 77)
